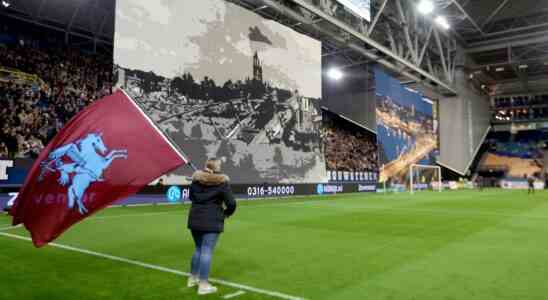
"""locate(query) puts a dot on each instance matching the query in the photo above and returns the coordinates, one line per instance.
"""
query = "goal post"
(424, 177)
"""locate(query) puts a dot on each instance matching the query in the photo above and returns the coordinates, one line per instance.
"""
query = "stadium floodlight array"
(424, 177)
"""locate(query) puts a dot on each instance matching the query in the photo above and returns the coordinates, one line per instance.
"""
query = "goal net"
(424, 178)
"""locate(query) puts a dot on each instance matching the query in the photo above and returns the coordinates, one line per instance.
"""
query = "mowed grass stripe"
(394, 246)
(502, 261)
(157, 268)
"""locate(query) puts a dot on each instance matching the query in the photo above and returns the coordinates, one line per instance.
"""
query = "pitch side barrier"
(14, 171)
(179, 193)
(252, 191)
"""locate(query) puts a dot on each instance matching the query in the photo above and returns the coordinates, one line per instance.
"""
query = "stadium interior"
(326, 113)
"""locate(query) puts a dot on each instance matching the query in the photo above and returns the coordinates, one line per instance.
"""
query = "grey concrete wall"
(353, 96)
(464, 121)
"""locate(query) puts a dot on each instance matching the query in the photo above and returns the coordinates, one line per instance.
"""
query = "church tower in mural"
(257, 68)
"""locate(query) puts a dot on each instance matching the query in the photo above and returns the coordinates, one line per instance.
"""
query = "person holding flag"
(107, 152)
(208, 192)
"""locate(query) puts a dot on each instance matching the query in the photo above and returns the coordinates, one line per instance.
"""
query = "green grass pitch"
(450, 245)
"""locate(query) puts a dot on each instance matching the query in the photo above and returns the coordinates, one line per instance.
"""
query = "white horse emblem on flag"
(87, 166)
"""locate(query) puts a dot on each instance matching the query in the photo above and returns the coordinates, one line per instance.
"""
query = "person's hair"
(213, 165)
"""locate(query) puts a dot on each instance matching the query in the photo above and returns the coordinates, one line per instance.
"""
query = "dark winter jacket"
(208, 193)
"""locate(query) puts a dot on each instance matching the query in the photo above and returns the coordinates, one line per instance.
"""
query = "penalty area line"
(159, 268)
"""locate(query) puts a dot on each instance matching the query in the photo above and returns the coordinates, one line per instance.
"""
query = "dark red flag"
(108, 151)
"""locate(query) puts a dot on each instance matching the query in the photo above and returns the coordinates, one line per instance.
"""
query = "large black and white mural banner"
(224, 82)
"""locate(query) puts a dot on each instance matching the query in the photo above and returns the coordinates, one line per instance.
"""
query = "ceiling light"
(442, 21)
(335, 74)
(6, 3)
(425, 7)
(500, 69)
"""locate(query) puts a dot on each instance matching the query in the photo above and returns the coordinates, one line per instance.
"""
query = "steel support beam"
(442, 55)
(382, 49)
(260, 8)
(513, 62)
(358, 48)
(456, 3)
(106, 16)
(517, 29)
(426, 43)
(455, 58)
(38, 14)
(73, 17)
(354, 64)
(376, 18)
(514, 41)
(494, 13)
(406, 33)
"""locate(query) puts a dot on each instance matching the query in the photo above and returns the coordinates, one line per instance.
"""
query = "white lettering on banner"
(420, 186)
(259, 191)
(12, 199)
(521, 184)
(366, 188)
(332, 188)
(185, 193)
(4, 165)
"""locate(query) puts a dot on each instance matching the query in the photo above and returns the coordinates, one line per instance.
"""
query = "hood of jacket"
(209, 178)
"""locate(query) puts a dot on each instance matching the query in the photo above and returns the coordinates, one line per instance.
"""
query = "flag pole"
(167, 137)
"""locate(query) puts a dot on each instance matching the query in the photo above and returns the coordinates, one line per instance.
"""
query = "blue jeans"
(201, 260)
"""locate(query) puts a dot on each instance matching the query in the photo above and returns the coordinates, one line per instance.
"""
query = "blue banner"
(407, 130)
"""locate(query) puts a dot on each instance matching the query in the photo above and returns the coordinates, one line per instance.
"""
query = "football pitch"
(451, 245)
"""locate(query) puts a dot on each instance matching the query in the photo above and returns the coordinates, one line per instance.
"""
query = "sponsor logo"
(420, 186)
(173, 194)
(4, 165)
(366, 188)
(329, 188)
(11, 201)
(61, 199)
(319, 189)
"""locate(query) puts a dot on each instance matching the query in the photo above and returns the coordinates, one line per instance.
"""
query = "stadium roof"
(91, 19)
(508, 40)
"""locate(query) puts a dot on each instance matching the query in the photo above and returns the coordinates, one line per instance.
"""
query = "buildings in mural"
(407, 130)
(263, 119)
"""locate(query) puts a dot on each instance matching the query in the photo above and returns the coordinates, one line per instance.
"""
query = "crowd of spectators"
(520, 108)
(34, 108)
(518, 101)
(521, 114)
(347, 150)
(527, 144)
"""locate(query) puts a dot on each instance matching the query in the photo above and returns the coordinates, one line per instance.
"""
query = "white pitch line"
(233, 295)
(10, 227)
(159, 268)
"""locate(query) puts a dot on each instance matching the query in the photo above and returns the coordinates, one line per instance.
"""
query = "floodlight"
(425, 7)
(442, 21)
(335, 74)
